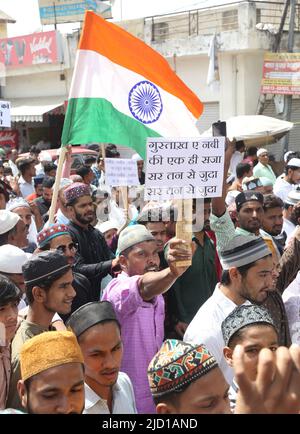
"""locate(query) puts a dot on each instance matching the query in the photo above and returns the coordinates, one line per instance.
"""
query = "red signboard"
(281, 74)
(9, 138)
(28, 50)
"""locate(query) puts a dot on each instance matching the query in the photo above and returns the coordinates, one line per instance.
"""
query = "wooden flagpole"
(184, 225)
(61, 160)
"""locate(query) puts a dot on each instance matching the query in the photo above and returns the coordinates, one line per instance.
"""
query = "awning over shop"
(33, 109)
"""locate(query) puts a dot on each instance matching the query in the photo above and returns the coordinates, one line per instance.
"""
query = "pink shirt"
(142, 327)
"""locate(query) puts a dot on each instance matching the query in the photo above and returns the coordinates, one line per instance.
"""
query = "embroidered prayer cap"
(262, 151)
(51, 232)
(243, 316)
(89, 315)
(19, 202)
(243, 250)
(133, 235)
(248, 196)
(176, 365)
(8, 220)
(75, 191)
(12, 259)
(49, 265)
(47, 350)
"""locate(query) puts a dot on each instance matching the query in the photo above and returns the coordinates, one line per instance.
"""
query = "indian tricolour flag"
(123, 91)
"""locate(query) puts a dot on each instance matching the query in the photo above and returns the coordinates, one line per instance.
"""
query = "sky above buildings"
(26, 12)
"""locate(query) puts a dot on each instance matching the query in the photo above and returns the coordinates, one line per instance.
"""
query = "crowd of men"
(99, 313)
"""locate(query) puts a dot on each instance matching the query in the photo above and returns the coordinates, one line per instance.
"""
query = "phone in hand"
(219, 129)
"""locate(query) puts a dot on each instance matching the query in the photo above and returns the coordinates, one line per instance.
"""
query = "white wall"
(35, 85)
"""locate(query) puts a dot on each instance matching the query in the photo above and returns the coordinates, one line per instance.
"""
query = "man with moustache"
(12, 229)
(94, 259)
(10, 296)
(107, 390)
(57, 237)
(196, 285)
(247, 277)
(30, 215)
(48, 285)
(52, 374)
(136, 295)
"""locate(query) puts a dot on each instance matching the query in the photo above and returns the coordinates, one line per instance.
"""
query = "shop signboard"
(67, 11)
(34, 49)
(5, 119)
(281, 74)
(9, 138)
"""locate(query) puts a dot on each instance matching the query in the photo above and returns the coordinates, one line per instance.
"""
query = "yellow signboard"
(281, 74)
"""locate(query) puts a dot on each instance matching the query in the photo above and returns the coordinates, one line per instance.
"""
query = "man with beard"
(52, 374)
(44, 202)
(273, 221)
(57, 237)
(12, 229)
(94, 259)
(107, 390)
(31, 217)
(136, 295)
(247, 277)
(196, 285)
(10, 296)
(48, 285)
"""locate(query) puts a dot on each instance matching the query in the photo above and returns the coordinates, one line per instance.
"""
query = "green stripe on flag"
(94, 120)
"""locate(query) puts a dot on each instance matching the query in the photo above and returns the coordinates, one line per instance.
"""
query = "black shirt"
(94, 258)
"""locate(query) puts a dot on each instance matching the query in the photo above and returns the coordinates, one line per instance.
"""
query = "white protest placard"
(184, 168)
(121, 172)
(5, 120)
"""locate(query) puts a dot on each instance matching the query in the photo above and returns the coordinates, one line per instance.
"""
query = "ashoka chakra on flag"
(145, 102)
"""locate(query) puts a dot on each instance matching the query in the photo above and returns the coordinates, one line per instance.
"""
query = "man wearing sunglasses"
(57, 237)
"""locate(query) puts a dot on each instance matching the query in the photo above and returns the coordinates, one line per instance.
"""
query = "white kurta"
(123, 398)
(205, 328)
(291, 299)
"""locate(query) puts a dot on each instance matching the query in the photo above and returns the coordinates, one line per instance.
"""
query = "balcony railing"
(215, 19)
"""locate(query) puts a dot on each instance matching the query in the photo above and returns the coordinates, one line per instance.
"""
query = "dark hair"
(172, 396)
(287, 167)
(8, 291)
(46, 284)
(34, 150)
(7, 171)
(251, 152)
(295, 216)
(24, 163)
(48, 182)
(49, 166)
(225, 278)
(4, 237)
(293, 154)
(83, 171)
(242, 169)
(271, 201)
(239, 334)
(239, 145)
(90, 159)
